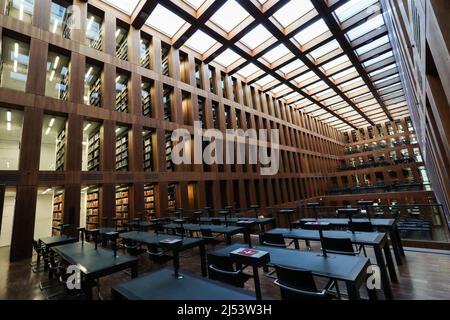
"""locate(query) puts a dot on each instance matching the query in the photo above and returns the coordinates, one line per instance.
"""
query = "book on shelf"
(58, 209)
(92, 208)
(122, 50)
(122, 153)
(60, 150)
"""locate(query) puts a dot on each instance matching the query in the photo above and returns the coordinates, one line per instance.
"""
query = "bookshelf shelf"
(92, 208)
(94, 151)
(148, 152)
(149, 200)
(60, 150)
(58, 208)
(171, 197)
(122, 194)
(122, 100)
(122, 50)
(169, 146)
(122, 153)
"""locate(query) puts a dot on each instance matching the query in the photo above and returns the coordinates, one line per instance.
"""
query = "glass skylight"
(256, 37)
(127, 6)
(248, 70)
(200, 42)
(373, 45)
(292, 11)
(227, 58)
(229, 16)
(325, 49)
(378, 59)
(353, 7)
(276, 53)
(292, 67)
(195, 3)
(279, 89)
(265, 81)
(366, 27)
(313, 31)
(165, 21)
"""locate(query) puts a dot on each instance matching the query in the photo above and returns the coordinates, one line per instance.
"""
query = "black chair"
(339, 246)
(156, 254)
(39, 249)
(272, 240)
(209, 237)
(365, 226)
(296, 284)
(222, 268)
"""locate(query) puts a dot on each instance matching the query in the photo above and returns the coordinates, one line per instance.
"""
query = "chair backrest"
(36, 247)
(206, 233)
(338, 246)
(297, 284)
(221, 268)
(365, 226)
(273, 240)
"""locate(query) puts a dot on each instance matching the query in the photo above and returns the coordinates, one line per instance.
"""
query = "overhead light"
(52, 75)
(87, 126)
(48, 131)
(89, 72)
(55, 26)
(91, 21)
(8, 126)
(55, 64)
(52, 122)
(86, 99)
(117, 32)
(16, 50)
(47, 191)
(8, 116)
(21, 12)
(117, 79)
(15, 66)
(117, 130)
(84, 189)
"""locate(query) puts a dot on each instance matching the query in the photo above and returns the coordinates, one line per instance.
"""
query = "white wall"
(83, 207)
(9, 155)
(8, 218)
(48, 157)
(44, 216)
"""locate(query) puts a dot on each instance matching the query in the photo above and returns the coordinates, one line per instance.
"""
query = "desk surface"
(378, 222)
(57, 240)
(235, 220)
(366, 238)
(213, 228)
(162, 285)
(340, 267)
(151, 238)
(89, 259)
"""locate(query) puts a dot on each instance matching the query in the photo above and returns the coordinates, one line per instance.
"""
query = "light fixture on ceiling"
(87, 126)
(52, 75)
(8, 116)
(89, 72)
(15, 67)
(118, 32)
(21, 12)
(56, 63)
(117, 130)
(46, 191)
(117, 79)
(91, 21)
(47, 132)
(52, 122)
(16, 50)
(8, 126)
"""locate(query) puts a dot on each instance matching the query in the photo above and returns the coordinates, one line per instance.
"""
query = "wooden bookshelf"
(64, 93)
(165, 59)
(171, 197)
(95, 94)
(149, 201)
(122, 100)
(145, 58)
(167, 103)
(58, 209)
(122, 200)
(122, 152)
(169, 146)
(148, 151)
(122, 50)
(92, 209)
(60, 150)
(94, 151)
(97, 43)
(146, 104)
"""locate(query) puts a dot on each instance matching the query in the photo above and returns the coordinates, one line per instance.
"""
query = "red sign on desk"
(249, 252)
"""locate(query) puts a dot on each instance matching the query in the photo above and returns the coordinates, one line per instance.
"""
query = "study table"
(261, 222)
(228, 232)
(382, 224)
(50, 242)
(187, 243)
(94, 262)
(349, 269)
(162, 285)
(377, 240)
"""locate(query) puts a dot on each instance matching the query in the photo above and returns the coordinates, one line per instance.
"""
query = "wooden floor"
(425, 275)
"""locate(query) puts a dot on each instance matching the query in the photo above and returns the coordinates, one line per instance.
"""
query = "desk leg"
(390, 262)
(396, 247)
(176, 263)
(296, 244)
(228, 238)
(247, 237)
(257, 284)
(352, 291)
(203, 259)
(384, 275)
(399, 240)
